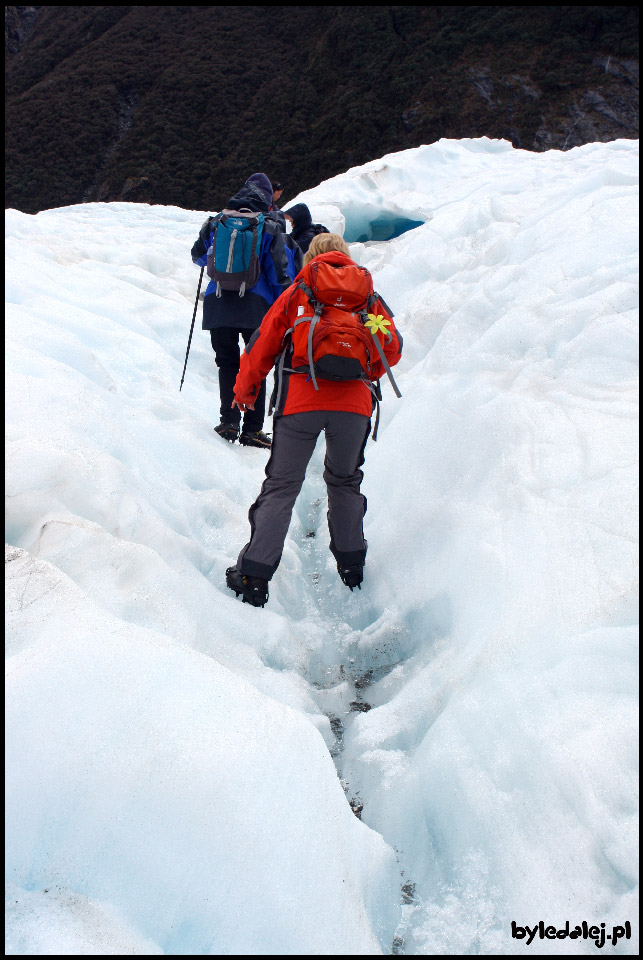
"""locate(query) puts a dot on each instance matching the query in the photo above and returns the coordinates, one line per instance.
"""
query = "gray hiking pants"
(294, 439)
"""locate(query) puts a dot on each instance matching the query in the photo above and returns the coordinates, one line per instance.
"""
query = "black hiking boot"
(227, 431)
(253, 589)
(256, 439)
(352, 576)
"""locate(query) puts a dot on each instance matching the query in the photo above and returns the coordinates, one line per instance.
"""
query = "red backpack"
(332, 341)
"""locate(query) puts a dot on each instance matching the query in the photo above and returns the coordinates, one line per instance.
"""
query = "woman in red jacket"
(330, 288)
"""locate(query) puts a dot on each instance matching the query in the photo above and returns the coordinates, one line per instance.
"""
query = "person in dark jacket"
(303, 228)
(230, 316)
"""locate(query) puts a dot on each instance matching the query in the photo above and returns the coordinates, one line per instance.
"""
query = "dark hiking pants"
(294, 439)
(225, 343)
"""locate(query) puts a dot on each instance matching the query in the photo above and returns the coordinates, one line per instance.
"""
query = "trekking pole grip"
(196, 303)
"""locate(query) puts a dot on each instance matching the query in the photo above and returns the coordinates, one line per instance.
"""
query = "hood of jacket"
(261, 181)
(254, 195)
(301, 217)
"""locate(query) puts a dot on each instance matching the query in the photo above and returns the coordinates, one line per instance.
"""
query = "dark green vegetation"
(179, 105)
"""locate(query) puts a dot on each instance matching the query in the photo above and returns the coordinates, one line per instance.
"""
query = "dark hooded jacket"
(303, 228)
(231, 310)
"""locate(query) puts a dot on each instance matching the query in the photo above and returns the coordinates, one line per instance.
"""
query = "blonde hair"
(324, 243)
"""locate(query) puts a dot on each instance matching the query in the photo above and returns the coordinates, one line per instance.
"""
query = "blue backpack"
(233, 258)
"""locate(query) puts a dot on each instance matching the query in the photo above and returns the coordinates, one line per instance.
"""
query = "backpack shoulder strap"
(317, 309)
(280, 367)
(364, 315)
(376, 296)
(309, 293)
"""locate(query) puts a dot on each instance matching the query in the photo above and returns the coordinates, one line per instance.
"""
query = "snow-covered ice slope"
(169, 773)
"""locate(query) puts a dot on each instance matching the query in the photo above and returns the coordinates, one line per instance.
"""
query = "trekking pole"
(196, 303)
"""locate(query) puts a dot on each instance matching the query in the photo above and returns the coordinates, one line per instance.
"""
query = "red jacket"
(298, 392)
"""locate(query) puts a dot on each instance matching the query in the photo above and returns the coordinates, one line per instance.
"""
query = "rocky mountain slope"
(178, 105)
